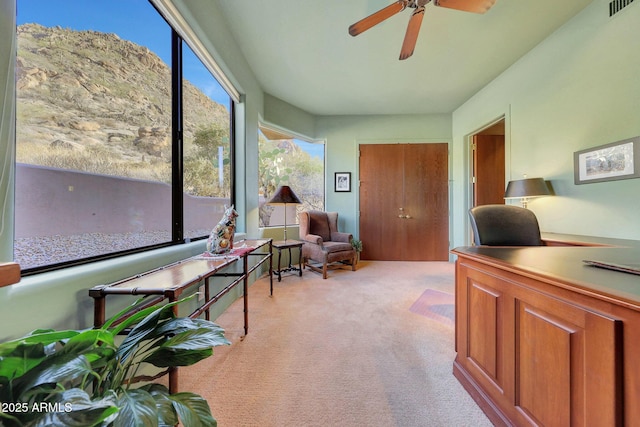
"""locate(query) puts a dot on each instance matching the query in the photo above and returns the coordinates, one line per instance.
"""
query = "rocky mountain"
(80, 90)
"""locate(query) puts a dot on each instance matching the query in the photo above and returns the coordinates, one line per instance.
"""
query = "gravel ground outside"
(40, 251)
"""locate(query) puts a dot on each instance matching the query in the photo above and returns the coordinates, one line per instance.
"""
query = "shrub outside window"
(286, 160)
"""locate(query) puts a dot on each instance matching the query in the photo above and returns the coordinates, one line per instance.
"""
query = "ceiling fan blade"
(377, 17)
(475, 6)
(411, 36)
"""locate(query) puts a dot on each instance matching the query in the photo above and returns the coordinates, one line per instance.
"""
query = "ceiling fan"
(411, 36)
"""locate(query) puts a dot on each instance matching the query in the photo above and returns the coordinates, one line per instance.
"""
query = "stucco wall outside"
(61, 202)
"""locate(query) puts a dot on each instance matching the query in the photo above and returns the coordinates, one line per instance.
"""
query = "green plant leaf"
(88, 341)
(37, 338)
(107, 324)
(193, 410)
(75, 408)
(182, 325)
(143, 331)
(166, 413)
(196, 339)
(166, 357)
(56, 368)
(21, 360)
(137, 408)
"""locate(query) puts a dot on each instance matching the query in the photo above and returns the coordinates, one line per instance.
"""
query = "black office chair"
(504, 225)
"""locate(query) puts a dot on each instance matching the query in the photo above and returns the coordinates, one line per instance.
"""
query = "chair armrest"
(338, 236)
(313, 238)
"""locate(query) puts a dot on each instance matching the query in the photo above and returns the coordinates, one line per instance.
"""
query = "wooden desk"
(171, 281)
(543, 339)
(560, 239)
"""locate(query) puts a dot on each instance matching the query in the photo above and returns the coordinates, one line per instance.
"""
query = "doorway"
(404, 202)
(488, 165)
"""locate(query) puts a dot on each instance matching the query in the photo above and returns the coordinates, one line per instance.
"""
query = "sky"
(125, 18)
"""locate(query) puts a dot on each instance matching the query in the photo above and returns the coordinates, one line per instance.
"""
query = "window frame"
(177, 142)
(272, 132)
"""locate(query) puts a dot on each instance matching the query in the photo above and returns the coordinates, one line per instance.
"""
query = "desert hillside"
(86, 95)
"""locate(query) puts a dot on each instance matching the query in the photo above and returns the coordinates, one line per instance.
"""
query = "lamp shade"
(529, 187)
(284, 195)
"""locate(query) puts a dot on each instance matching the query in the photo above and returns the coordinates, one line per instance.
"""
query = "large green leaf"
(21, 355)
(193, 410)
(88, 340)
(164, 406)
(196, 339)
(21, 359)
(107, 324)
(76, 409)
(165, 357)
(137, 408)
(182, 324)
(143, 331)
(36, 338)
(56, 368)
(143, 315)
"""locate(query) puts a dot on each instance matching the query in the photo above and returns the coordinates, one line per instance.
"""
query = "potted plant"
(357, 245)
(83, 378)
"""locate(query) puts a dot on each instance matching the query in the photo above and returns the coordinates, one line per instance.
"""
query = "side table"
(287, 244)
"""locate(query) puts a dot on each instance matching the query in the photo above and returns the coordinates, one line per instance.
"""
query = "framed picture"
(343, 182)
(609, 162)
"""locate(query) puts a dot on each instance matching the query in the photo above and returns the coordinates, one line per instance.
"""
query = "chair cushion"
(319, 225)
(337, 246)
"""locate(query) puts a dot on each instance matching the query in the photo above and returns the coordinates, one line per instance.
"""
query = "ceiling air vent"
(617, 5)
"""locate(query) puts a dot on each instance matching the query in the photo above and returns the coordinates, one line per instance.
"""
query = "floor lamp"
(284, 195)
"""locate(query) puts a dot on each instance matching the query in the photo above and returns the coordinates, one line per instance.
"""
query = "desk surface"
(563, 266)
(579, 240)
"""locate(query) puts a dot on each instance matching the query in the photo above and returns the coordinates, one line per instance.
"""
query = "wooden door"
(404, 202)
(488, 169)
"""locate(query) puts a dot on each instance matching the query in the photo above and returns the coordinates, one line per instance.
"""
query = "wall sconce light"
(524, 189)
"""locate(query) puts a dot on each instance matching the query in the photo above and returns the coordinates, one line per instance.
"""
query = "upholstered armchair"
(323, 243)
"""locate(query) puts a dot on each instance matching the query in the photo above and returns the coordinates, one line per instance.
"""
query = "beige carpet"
(346, 351)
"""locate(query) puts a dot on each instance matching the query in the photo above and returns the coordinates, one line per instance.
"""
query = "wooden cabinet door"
(381, 194)
(404, 202)
(542, 360)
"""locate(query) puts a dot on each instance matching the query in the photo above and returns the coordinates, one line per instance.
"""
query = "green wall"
(7, 126)
(578, 89)
(344, 134)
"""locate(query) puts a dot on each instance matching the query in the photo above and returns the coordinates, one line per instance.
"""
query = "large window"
(108, 159)
(286, 160)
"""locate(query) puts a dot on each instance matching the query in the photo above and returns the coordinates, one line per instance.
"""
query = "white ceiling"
(300, 51)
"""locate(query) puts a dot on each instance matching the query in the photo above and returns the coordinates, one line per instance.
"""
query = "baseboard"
(495, 415)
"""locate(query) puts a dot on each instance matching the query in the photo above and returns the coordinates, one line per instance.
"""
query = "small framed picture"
(618, 160)
(343, 182)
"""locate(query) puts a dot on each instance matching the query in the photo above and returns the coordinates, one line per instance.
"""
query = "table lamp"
(284, 195)
(524, 189)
